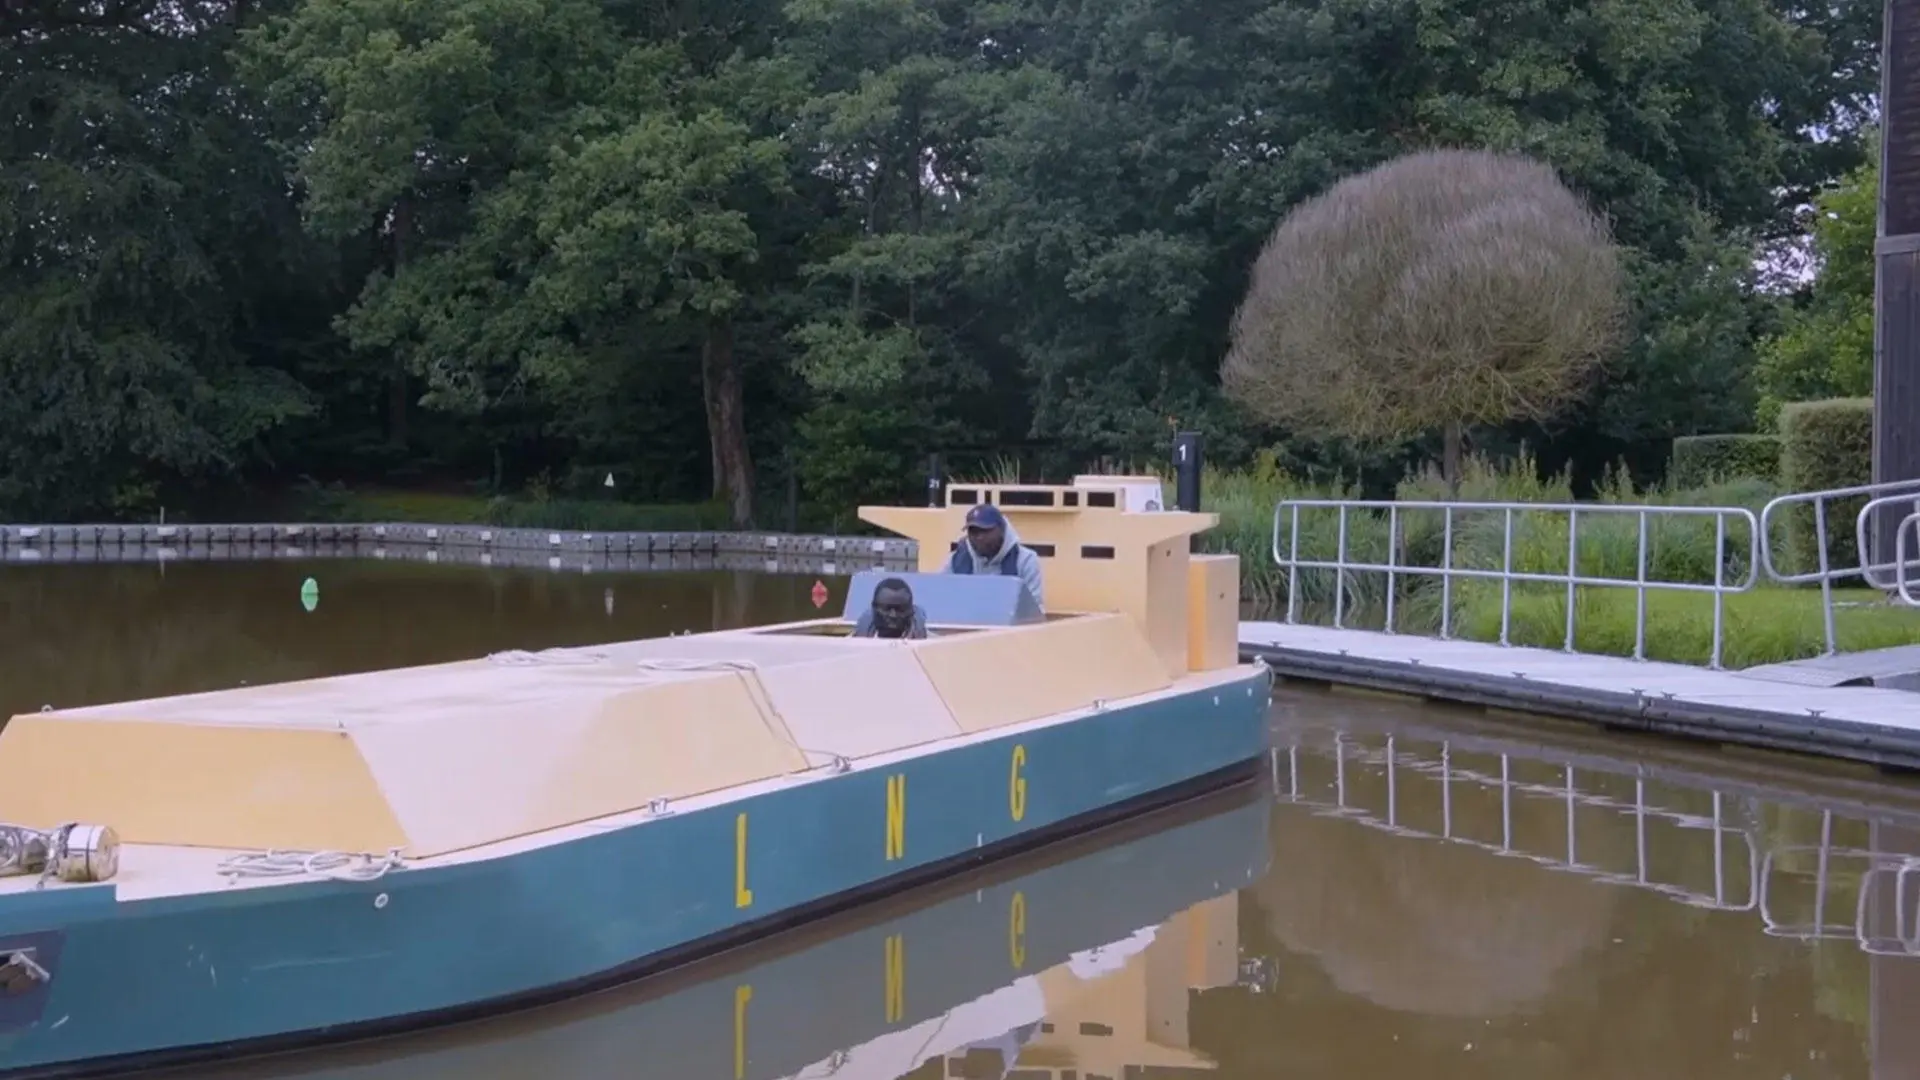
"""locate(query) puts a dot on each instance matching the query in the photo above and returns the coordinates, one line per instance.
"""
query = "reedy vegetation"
(1764, 625)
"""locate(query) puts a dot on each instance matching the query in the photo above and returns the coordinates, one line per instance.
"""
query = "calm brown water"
(1420, 893)
(79, 634)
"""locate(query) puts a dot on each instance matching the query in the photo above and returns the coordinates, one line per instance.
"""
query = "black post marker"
(1186, 477)
(1186, 471)
(934, 483)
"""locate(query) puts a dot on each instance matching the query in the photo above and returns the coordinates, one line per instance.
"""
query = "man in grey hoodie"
(991, 546)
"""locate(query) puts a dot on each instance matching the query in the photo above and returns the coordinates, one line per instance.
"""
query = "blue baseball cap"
(986, 516)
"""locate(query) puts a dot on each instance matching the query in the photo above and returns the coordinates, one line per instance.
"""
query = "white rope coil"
(678, 664)
(523, 658)
(336, 865)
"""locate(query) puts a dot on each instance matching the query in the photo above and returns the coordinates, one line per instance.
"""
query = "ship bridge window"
(840, 628)
(972, 600)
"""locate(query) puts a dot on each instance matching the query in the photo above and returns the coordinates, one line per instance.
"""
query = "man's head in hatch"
(892, 609)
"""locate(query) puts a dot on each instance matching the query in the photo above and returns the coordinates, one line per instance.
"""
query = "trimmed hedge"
(1700, 460)
(1824, 445)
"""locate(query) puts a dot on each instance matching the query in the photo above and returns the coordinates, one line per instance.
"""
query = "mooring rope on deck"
(689, 664)
(562, 656)
(337, 865)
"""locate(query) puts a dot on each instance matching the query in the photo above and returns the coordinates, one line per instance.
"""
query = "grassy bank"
(1765, 625)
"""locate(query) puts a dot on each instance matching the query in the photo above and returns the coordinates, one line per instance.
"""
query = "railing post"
(1340, 769)
(1446, 573)
(1393, 559)
(1820, 873)
(1719, 856)
(1573, 570)
(1293, 569)
(1573, 851)
(1640, 827)
(1506, 577)
(1900, 559)
(1719, 585)
(1640, 593)
(1340, 575)
(1900, 556)
(1826, 575)
(1506, 803)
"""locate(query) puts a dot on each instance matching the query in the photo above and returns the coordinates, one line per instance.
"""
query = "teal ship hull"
(761, 1017)
(225, 973)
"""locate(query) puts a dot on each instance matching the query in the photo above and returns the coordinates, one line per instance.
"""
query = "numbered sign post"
(1186, 471)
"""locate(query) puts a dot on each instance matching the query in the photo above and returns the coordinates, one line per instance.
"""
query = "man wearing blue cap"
(990, 546)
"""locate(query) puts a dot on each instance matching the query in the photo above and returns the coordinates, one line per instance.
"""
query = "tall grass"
(1679, 548)
(1768, 625)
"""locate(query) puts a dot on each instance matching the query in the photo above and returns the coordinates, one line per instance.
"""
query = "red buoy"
(819, 594)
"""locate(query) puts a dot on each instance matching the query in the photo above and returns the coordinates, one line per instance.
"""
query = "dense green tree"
(495, 241)
(880, 345)
(1140, 152)
(550, 186)
(142, 244)
(1686, 123)
(1826, 347)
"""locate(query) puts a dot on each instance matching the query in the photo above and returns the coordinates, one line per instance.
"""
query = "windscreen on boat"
(962, 599)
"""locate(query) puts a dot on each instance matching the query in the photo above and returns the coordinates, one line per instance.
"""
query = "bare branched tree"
(1440, 290)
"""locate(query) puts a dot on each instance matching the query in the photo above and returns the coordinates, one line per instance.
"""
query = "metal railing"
(1901, 586)
(1881, 496)
(1878, 927)
(1736, 887)
(1286, 525)
(1881, 901)
(1905, 939)
(1902, 565)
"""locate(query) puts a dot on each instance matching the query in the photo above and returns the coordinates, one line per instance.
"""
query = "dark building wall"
(1896, 375)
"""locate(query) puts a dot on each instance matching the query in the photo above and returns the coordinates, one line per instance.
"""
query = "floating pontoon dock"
(1861, 723)
(1862, 706)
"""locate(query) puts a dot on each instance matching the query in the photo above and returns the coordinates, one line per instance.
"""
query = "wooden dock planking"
(1860, 723)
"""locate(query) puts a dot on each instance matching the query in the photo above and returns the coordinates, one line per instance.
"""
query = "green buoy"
(309, 594)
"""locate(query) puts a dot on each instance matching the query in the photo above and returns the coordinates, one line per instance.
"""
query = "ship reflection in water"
(1077, 965)
(1418, 894)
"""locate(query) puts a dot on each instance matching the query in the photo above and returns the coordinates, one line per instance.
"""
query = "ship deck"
(520, 710)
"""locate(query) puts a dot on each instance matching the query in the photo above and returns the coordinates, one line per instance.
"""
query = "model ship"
(260, 868)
